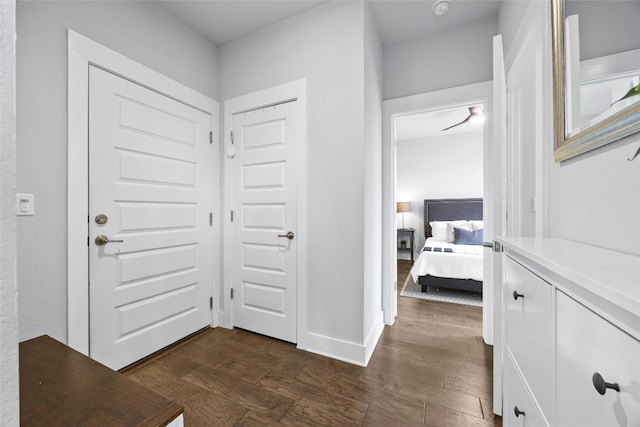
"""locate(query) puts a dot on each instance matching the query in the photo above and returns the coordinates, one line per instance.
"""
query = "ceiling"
(222, 21)
(429, 124)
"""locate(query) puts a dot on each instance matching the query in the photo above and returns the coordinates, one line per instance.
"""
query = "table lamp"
(403, 207)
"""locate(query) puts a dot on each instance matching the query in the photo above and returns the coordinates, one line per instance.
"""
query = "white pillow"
(439, 230)
(464, 224)
(476, 225)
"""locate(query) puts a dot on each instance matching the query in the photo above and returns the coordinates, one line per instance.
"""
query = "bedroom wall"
(449, 166)
(143, 31)
(325, 46)
(9, 382)
(457, 58)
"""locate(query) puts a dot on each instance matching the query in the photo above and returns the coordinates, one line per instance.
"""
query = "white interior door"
(150, 176)
(265, 210)
(523, 117)
(495, 212)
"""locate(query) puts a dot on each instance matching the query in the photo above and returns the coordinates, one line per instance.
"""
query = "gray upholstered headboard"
(450, 210)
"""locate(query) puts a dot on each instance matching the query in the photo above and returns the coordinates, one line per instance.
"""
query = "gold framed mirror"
(595, 99)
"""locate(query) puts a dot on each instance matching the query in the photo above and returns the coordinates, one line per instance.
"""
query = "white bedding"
(464, 262)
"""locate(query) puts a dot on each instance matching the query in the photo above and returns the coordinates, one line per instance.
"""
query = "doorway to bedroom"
(439, 189)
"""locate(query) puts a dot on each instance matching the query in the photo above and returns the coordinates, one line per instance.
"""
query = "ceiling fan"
(475, 116)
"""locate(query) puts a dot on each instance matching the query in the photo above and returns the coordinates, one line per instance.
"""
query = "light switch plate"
(25, 205)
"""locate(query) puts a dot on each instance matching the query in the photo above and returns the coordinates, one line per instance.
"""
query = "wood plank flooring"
(430, 368)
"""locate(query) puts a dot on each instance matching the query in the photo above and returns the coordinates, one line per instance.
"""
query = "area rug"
(413, 290)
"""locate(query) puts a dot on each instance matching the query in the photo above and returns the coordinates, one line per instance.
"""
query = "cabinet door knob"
(516, 295)
(601, 385)
(518, 412)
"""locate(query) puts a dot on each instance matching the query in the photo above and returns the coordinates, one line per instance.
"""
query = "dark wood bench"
(62, 387)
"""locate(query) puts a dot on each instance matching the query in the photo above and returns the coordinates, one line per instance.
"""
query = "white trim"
(347, 351)
(9, 330)
(481, 92)
(216, 198)
(82, 52)
(293, 90)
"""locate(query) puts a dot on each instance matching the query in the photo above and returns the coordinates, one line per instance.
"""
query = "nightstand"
(402, 232)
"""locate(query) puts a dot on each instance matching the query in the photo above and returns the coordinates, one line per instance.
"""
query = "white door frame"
(294, 90)
(83, 52)
(390, 110)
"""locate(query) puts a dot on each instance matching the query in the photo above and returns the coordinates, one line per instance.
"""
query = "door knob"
(289, 235)
(102, 240)
(601, 385)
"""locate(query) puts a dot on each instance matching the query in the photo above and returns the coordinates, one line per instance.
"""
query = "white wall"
(143, 31)
(372, 247)
(9, 397)
(593, 198)
(443, 167)
(325, 46)
(428, 64)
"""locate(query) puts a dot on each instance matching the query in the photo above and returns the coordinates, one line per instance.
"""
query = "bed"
(457, 263)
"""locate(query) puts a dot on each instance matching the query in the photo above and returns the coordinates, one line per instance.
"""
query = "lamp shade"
(403, 207)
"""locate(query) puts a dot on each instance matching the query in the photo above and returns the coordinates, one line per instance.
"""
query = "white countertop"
(611, 275)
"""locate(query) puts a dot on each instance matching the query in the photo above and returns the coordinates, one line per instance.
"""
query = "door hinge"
(211, 218)
(231, 136)
(87, 240)
(211, 303)
(231, 293)
(231, 216)
(210, 137)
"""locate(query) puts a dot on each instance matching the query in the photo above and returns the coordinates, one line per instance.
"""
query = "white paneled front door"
(149, 224)
(264, 242)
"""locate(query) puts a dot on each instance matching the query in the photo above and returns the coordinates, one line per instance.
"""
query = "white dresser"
(572, 335)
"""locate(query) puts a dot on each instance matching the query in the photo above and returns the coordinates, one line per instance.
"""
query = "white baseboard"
(374, 335)
(347, 351)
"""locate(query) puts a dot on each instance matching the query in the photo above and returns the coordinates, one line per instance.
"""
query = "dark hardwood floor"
(431, 367)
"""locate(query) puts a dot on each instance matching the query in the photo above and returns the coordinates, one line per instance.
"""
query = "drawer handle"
(518, 412)
(516, 295)
(601, 385)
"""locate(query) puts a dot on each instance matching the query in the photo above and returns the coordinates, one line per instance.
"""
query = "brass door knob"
(289, 235)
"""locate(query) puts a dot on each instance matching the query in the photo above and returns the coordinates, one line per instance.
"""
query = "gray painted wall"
(510, 16)
(458, 58)
(325, 46)
(143, 31)
(372, 245)
(619, 18)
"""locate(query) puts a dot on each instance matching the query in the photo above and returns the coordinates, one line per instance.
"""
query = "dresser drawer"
(588, 344)
(517, 400)
(529, 330)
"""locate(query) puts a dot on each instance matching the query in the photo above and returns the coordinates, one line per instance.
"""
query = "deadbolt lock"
(101, 219)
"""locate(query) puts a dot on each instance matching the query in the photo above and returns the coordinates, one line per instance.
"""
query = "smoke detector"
(440, 7)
